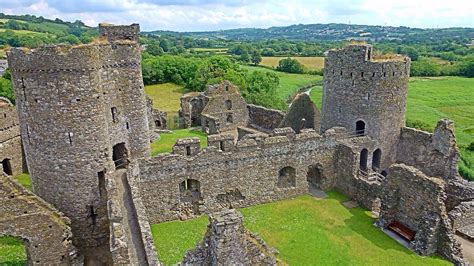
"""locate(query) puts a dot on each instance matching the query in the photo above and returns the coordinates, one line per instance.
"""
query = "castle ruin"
(86, 130)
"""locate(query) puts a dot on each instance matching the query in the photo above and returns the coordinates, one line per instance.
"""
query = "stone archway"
(315, 176)
(287, 177)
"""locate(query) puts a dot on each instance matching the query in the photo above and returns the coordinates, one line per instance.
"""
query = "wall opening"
(230, 118)
(157, 123)
(286, 177)
(228, 104)
(101, 181)
(315, 176)
(119, 155)
(363, 160)
(7, 167)
(113, 110)
(188, 150)
(190, 191)
(384, 173)
(221, 145)
(376, 158)
(360, 127)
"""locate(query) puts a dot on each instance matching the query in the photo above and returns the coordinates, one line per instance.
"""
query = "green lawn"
(24, 180)
(166, 97)
(305, 231)
(289, 83)
(12, 251)
(430, 99)
(173, 239)
(166, 141)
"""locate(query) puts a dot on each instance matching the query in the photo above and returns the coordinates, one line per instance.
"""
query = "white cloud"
(195, 15)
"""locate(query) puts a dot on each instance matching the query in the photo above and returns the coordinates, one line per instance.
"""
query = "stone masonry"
(11, 154)
(227, 242)
(86, 129)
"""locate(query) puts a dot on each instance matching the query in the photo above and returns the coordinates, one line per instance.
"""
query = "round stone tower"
(367, 95)
(82, 111)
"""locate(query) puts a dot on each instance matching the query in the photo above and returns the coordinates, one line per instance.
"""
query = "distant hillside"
(334, 32)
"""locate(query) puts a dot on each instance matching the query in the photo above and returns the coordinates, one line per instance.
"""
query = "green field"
(430, 99)
(166, 97)
(305, 231)
(310, 63)
(24, 180)
(166, 141)
(289, 83)
(12, 251)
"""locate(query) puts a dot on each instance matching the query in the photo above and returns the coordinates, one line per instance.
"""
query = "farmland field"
(304, 230)
(311, 63)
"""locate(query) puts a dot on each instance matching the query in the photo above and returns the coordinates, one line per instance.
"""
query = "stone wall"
(191, 108)
(264, 119)
(417, 201)
(156, 119)
(434, 154)
(227, 242)
(248, 173)
(81, 108)
(302, 114)
(361, 87)
(119, 32)
(226, 106)
(45, 232)
(11, 155)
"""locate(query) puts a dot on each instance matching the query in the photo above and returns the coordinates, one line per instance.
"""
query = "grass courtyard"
(167, 140)
(305, 231)
(12, 251)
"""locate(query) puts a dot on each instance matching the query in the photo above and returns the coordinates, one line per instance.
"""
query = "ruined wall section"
(359, 86)
(250, 173)
(417, 201)
(302, 114)
(434, 154)
(191, 108)
(227, 242)
(227, 106)
(119, 32)
(10, 141)
(264, 119)
(44, 231)
(65, 97)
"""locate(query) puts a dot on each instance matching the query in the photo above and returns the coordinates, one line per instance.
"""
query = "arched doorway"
(315, 175)
(7, 168)
(363, 160)
(360, 127)
(119, 155)
(376, 158)
(286, 177)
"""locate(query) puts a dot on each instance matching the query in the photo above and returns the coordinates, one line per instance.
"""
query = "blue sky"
(200, 15)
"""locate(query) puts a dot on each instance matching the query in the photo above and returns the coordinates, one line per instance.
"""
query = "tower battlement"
(119, 32)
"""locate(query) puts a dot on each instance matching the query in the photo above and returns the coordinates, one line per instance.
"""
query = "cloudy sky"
(200, 15)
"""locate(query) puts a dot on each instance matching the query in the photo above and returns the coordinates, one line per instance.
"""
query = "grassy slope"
(289, 83)
(305, 231)
(12, 251)
(311, 63)
(166, 141)
(430, 99)
(24, 180)
(166, 97)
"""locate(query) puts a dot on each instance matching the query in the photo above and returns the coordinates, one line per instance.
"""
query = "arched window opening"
(363, 160)
(384, 173)
(114, 112)
(376, 158)
(119, 155)
(7, 168)
(228, 104)
(360, 127)
(230, 118)
(287, 177)
(190, 191)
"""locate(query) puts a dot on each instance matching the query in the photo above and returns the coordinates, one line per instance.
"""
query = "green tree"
(256, 57)
(290, 65)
